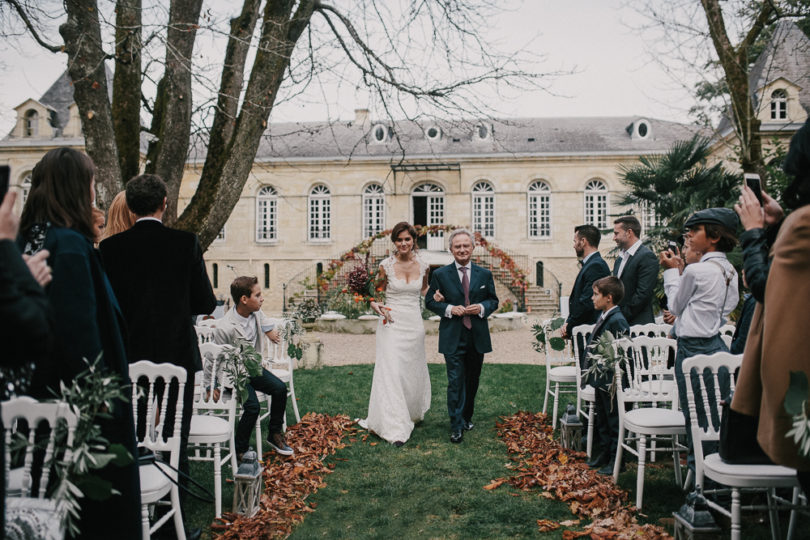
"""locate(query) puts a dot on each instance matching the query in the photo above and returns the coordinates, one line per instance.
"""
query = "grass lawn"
(431, 488)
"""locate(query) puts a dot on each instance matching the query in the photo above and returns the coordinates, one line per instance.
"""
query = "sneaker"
(276, 442)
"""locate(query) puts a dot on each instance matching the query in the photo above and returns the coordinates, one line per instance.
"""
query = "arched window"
(266, 214)
(779, 105)
(320, 214)
(596, 204)
(373, 210)
(483, 208)
(539, 212)
(650, 219)
(26, 187)
(31, 123)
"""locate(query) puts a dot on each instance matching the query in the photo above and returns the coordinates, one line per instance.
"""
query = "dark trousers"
(463, 373)
(687, 348)
(606, 430)
(271, 385)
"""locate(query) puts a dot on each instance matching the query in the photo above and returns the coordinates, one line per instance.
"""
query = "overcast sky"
(615, 75)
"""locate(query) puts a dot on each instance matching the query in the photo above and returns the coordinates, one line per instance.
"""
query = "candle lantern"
(571, 429)
(248, 485)
(694, 521)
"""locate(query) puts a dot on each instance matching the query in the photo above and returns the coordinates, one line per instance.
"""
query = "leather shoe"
(456, 436)
(597, 461)
(468, 426)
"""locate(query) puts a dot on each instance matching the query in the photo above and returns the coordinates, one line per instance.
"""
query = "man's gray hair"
(456, 232)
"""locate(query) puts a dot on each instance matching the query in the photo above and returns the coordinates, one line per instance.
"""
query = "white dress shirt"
(700, 297)
(468, 266)
(626, 254)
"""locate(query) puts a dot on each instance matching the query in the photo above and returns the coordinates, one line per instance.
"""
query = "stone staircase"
(541, 301)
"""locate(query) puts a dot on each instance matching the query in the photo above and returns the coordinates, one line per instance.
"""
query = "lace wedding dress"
(400, 388)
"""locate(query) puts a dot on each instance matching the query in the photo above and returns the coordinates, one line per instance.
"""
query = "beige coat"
(778, 341)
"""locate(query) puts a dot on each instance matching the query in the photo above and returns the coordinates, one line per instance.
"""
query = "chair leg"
(545, 399)
(217, 481)
(773, 515)
(676, 461)
(591, 417)
(294, 404)
(617, 465)
(642, 454)
(735, 514)
(792, 524)
(145, 522)
(259, 434)
(179, 530)
(556, 404)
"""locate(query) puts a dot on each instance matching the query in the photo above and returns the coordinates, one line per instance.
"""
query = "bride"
(400, 387)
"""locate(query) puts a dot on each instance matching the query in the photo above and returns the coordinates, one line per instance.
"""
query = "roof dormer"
(778, 102)
(33, 120)
(640, 129)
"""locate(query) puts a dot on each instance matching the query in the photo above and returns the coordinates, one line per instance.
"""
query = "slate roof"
(519, 137)
(59, 97)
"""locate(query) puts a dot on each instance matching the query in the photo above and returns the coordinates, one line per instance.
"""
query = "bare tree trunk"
(86, 56)
(168, 156)
(280, 32)
(126, 107)
(735, 65)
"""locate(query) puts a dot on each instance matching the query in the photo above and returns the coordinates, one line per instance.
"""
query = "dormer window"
(433, 133)
(380, 133)
(30, 123)
(779, 104)
(640, 129)
(482, 132)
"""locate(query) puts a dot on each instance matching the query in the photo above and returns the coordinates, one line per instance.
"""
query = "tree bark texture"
(126, 107)
(83, 45)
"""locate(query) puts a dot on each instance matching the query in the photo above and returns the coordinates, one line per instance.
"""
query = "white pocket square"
(482, 286)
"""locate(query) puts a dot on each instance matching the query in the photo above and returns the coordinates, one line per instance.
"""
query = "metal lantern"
(571, 429)
(248, 485)
(694, 521)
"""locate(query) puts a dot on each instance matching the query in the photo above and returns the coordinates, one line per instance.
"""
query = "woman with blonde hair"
(119, 216)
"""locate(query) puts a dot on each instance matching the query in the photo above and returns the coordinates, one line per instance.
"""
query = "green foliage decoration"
(242, 361)
(796, 406)
(541, 340)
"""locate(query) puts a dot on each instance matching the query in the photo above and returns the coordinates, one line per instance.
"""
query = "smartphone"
(672, 246)
(5, 173)
(753, 182)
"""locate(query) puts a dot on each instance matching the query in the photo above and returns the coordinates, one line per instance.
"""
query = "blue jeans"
(271, 385)
(687, 348)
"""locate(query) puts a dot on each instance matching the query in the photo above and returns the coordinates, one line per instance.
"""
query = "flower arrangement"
(518, 276)
(603, 359)
(507, 306)
(541, 340)
(242, 362)
(293, 333)
(307, 310)
(796, 406)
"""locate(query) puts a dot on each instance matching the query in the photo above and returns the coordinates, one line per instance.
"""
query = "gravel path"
(512, 347)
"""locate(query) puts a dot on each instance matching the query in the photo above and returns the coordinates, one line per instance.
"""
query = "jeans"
(269, 384)
(687, 348)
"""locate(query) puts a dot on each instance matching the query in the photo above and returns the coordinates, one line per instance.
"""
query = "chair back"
(556, 358)
(650, 330)
(151, 402)
(216, 393)
(650, 357)
(697, 370)
(728, 330)
(636, 386)
(42, 419)
(579, 339)
(277, 352)
(205, 334)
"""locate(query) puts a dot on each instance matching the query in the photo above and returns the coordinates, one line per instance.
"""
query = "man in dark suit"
(607, 295)
(637, 267)
(463, 295)
(159, 277)
(580, 305)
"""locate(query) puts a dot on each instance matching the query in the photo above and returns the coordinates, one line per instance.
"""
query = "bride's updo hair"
(401, 227)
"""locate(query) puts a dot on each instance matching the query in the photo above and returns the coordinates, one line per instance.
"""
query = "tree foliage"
(412, 56)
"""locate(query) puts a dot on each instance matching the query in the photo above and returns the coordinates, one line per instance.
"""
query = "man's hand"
(472, 309)
(773, 212)
(438, 296)
(458, 311)
(564, 331)
(669, 318)
(9, 222)
(273, 336)
(671, 260)
(38, 266)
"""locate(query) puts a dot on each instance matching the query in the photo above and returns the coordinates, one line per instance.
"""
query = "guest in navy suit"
(607, 294)
(637, 267)
(580, 305)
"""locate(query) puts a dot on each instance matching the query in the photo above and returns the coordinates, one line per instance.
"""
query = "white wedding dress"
(400, 387)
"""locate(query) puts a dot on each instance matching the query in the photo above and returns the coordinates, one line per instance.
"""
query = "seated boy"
(607, 293)
(246, 321)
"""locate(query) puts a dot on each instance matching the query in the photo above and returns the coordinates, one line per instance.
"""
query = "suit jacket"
(482, 291)
(159, 277)
(777, 342)
(639, 277)
(580, 305)
(617, 325)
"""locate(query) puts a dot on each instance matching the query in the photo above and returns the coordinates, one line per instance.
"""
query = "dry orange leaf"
(546, 525)
(495, 483)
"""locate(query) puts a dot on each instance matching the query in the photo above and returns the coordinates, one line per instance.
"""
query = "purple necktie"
(465, 284)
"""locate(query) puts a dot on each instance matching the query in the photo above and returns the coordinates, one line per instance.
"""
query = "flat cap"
(719, 216)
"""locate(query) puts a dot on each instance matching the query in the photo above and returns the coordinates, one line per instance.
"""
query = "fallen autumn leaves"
(540, 462)
(288, 481)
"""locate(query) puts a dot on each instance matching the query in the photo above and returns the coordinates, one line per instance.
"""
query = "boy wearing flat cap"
(702, 295)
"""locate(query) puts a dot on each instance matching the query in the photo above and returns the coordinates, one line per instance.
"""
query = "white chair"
(157, 480)
(213, 422)
(650, 358)
(737, 477)
(205, 333)
(727, 334)
(646, 419)
(650, 330)
(585, 395)
(23, 503)
(280, 364)
(561, 371)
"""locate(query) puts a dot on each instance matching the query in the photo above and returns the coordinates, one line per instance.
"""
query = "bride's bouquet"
(366, 285)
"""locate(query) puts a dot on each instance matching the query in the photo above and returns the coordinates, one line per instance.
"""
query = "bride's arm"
(380, 283)
(425, 282)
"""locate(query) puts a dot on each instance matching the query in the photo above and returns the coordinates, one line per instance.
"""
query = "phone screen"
(4, 176)
(753, 182)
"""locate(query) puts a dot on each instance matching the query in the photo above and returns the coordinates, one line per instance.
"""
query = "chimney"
(361, 116)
